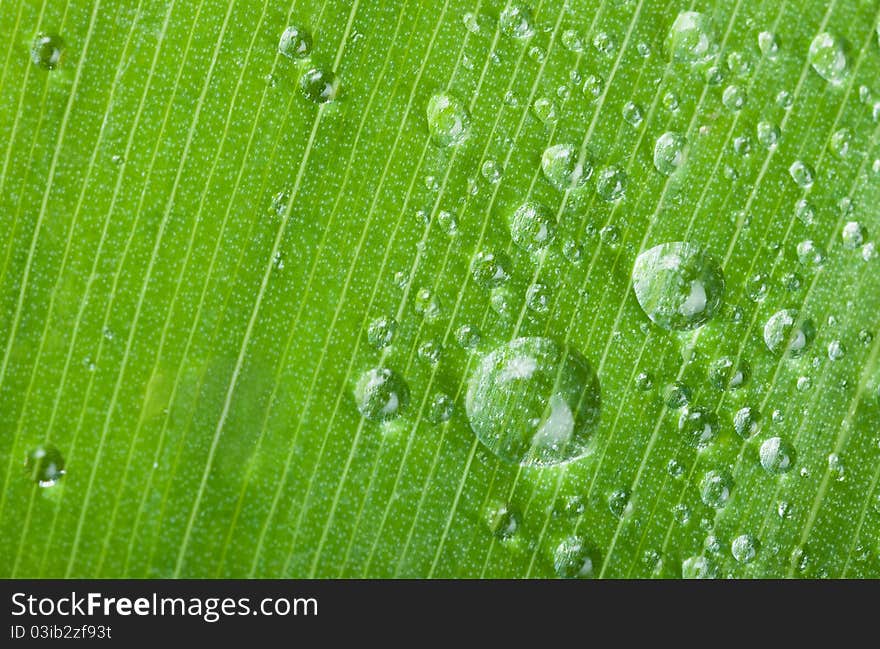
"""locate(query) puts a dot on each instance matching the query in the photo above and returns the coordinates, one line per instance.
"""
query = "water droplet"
(869, 251)
(742, 145)
(430, 351)
(733, 97)
(467, 336)
(678, 285)
(669, 152)
(604, 43)
(441, 408)
(516, 21)
(805, 212)
(768, 134)
(691, 39)
(533, 402)
(610, 235)
(618, 503)
(739, 64)
(380, 394)
(744, 548)
(697, 568)
(538, 298)
(810, 254)
(784, 99)
(801, 173)
(632, 113)
(828, 57)
(670, 101)
(295, 43)
(777, 455)
(836, 468)
(853, 235)
(841, 141)
(545, 110)
(674, 469)
(593, 86)
(836, 350)
(644, 381)
(715, 488)
(783, 335)
(491, 171)
(448, 120)
(490, 268)
(792, 281)
(572, 41)
(756, 287)
(532, 227)
(746, 422)
(573, 251)
(44, 465)
(503, 521)
(571, 559)
(47, 51)
(447, 222)
(681, 514)
(676, 395)
(698, 425)
(319, 86)
(611, 183)
(427, 304)
(381, 331)
(564, 167)
(726, 373)
(768, 44)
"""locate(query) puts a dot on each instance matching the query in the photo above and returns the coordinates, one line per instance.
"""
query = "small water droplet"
(768, 43)
(801, 173)
(841, 141)
(715, 488)
(746, 422)
(45, 465)
(604, 44)
(810, 254)
(47, 51)
(516, 21)
(571, 559)
(490, 268)
(611, 183)
(430, 351)
(744, 548)
(853, 235)
(768, 134)
(827, 56)
(593, 86)
(538, 298)
(619, 503)
(295, 43)
(783, 334)
(691, 39)
(381, 332)
(572, 41)
(678, 285)
(319, 86)
(448, 120)
(727, 373)
(441, 408)
(491, 171)
(698, 425)
(532, 227)
(669, 152)
(564, 167)
(644, 381)
(676, 395)
(467, 336)
(380, 394)
(776, 455)
(632, 113)
(674, 469)
(503, 521)
(533, 402)
(545, 110)
(836, 468)
(733, 97)
(697, 567)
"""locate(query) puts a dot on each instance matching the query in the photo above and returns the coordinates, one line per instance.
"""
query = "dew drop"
(746, 422)
(490, 268)
(810, 254)
(777, 455)
(491, 171)
(669, 152)
(619, 503)
(733, 97)
(381, 331)
(836, 350)
(698, 425)
(827, 56)
(726, 373)
(801, 173)
(532, 227)
(47, 51)
(295, 43)
(783, 334)
(503, 521)
(836, 468)
(841, 141)
(533, 402)
(632, 113)
(572, 41)
(715, 488)
(564, 168)
(44, 465)
(744, 548)
(538, 298)
(691, 39)
(441, 408)
(644, 381)
(593, 86)
(676, 395)
(516, 21)
(319, 86)
(467, 336)
(571, 559)
(768, 134)
(380, 394)
(697, 567)
(678, 285)
(448, 120)
(768, 44)
(430, 352)
(853, 235)
(545, 110)
(611, 183)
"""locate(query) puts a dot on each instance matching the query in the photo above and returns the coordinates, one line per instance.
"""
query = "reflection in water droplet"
(715, 488)
(44, 465)
(47, 51)
(448, 120)
(380, 394)
(744, 548)
(533, 402)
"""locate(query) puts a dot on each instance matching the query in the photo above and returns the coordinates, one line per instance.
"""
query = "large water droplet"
(678, 285)
(744, 548)
(516, 21)
(691, 39)
(45, 465)
(380, 394)
(532, 227)
(47, 51)
(533, 402)
(448, 120)
(295, 43)
(783, 335)
(777, 455)
(319, 86)
(669, 152)
(828, 57)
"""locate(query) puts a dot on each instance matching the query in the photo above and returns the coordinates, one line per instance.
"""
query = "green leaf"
(249, 275)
